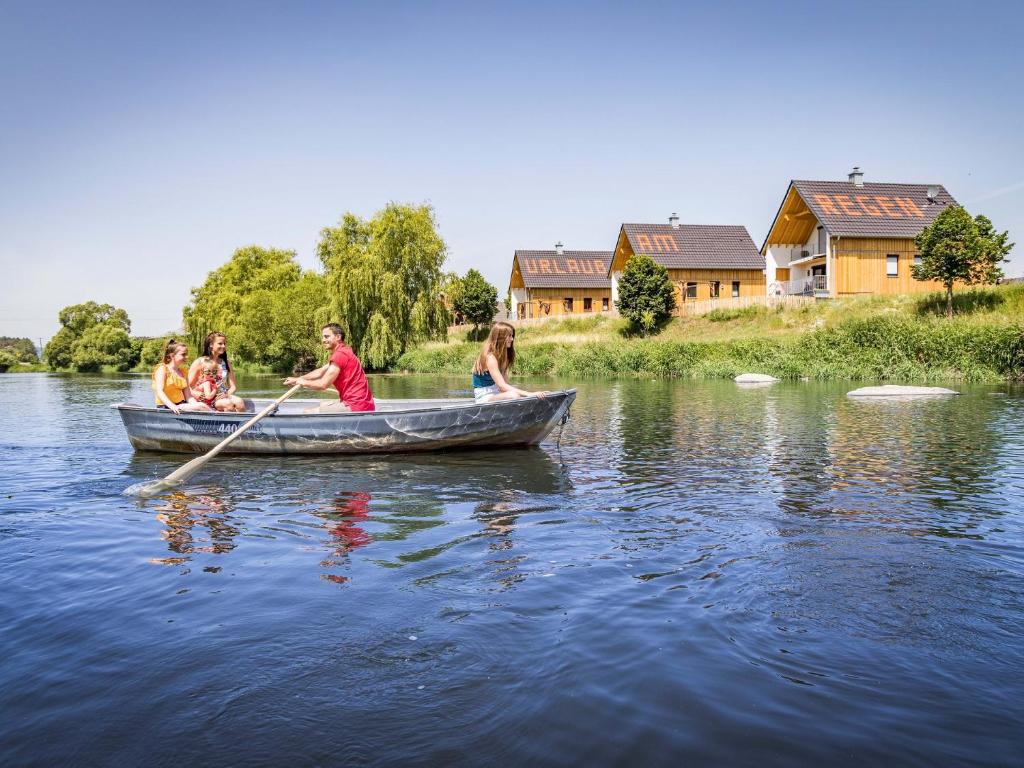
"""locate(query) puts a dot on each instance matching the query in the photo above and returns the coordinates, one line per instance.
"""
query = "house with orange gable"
(559, 282)
(844, 238)
(704, 261)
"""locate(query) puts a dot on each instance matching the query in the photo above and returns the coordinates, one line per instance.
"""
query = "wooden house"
(559, 282)
(703, 261)
(842, 238)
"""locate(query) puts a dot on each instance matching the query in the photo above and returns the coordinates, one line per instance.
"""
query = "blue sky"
(139, 146)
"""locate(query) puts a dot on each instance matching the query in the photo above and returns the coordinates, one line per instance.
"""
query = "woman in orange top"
(169, 383)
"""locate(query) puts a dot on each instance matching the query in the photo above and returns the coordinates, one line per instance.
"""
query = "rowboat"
(397, 426)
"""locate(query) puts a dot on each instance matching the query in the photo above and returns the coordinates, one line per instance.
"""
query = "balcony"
(812, 285)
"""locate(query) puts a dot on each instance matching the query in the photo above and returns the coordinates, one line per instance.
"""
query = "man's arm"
(320, 379)
(291, 381)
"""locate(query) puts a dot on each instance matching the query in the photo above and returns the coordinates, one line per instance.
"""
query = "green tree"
(7, 359)
(99, 345)
(58, 350)
(646, 297)
(152, 349)
(80, 317)
(281, 329)
(91, 335)
(24, 350)
(476, 300)
(957, 248)
(217, 303)
(385, 281)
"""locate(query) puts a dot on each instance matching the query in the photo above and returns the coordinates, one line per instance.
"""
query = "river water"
(689, 573)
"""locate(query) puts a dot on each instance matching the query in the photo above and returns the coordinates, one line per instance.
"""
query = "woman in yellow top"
(169, 383)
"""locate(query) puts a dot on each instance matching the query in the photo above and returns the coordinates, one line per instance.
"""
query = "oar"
(180, 475)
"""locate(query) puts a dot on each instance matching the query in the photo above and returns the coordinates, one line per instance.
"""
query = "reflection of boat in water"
(397, 426)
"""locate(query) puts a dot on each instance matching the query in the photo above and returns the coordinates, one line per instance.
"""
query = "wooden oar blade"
(150, 489)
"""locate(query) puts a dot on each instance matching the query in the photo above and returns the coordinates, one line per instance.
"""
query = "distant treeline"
(14, 350)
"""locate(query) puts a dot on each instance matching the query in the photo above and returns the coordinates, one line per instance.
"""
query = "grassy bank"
(899, 338)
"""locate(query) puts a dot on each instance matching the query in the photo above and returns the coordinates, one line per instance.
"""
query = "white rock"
(755, 378)
(897, 390)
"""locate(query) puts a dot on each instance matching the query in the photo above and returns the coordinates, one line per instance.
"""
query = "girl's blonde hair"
(497, 345)
(171, 347)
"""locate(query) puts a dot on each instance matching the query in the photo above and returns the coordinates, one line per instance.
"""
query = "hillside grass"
(896, 338)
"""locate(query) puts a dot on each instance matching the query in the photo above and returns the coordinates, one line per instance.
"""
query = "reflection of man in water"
(182, 513)
(346, 534)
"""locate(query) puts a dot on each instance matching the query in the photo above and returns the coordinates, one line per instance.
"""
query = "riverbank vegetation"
(895, 338)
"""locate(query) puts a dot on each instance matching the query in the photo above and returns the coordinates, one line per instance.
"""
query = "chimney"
(933, 193)
(559, 248)
(856, 177)
(674, 220)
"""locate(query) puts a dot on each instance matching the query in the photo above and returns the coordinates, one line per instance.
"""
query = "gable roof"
(873, 210)
(569, 269)
(695, 246)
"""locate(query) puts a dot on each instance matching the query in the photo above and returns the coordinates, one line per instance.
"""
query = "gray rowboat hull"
(397, 426)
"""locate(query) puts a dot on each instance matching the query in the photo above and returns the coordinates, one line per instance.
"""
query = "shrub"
(646, 296)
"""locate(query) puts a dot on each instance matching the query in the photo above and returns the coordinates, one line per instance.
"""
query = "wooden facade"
(551, 302)
(861, 265)
(698, 284)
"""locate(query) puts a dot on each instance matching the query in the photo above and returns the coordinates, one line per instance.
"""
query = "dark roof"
(874, 209)
(695, 246)
(569, 269)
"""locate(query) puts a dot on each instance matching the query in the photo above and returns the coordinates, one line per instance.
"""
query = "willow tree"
(217, 304)
(385, 278)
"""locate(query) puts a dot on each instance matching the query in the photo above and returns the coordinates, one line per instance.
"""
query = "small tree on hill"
(956, 247)
(646, 297)
(476, 300)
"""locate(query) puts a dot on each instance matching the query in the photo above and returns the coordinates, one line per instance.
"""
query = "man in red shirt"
(343, 370)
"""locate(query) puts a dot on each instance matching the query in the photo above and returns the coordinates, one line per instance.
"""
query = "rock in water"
(897, 390)
(755, 378)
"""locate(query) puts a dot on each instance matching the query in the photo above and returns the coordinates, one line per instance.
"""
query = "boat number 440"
(223, 428)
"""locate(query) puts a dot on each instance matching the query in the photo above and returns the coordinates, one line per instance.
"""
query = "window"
(735, 289)
(821, 239)
(716, 289)
(691, 291)
(892, 262)
(604, 304)
(587, 304)
(567, 304)
(917, 259)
